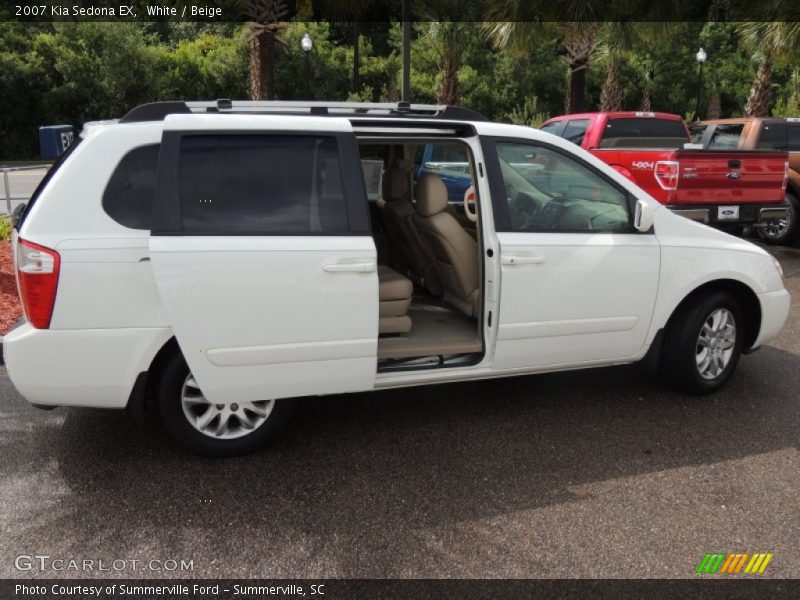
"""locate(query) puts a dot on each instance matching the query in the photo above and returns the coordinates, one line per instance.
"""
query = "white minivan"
(208, 261)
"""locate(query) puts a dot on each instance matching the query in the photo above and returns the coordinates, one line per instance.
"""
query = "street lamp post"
(356, 58)
(405, 88)
(307, 44)
(701, 60)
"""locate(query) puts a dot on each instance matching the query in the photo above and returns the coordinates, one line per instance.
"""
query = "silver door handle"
(521, 260)
(359, 267)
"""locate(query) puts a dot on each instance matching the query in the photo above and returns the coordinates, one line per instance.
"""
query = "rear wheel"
(786, 229)
(702, 343)
(215, 429)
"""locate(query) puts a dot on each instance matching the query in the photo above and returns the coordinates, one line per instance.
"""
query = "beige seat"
(394, 298)
(398, 217)
(454, 252)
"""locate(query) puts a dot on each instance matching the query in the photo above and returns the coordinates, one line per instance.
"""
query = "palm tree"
(449, 40)
(579, 39)
(618, 40)
(768, 42)
(264, 38)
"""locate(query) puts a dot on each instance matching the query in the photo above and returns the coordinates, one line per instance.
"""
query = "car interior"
(430, 270)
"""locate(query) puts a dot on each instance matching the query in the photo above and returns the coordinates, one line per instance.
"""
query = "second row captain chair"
(454, 252)
(398, 218)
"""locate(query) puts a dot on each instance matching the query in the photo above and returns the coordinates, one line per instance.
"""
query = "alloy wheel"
(222, 421)
(715, 343)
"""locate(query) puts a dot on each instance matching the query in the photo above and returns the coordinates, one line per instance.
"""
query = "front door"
(578, 283)
(263, 257)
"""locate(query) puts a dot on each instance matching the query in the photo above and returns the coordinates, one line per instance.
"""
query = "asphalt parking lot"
(597, 473)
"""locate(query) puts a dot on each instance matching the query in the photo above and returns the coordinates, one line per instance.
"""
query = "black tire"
(679, 352)
(784, 232)
(168, 396)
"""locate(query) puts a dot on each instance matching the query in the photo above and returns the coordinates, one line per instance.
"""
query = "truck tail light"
(37, 279)
(666, 172)
(785, 175)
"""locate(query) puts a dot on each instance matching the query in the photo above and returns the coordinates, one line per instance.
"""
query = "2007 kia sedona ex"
(220, 258)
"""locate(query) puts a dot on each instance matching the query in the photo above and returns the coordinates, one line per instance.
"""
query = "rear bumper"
(87, 367)
(756, 215)
(774, 312)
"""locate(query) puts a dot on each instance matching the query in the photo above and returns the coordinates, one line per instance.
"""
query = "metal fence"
(7, 171)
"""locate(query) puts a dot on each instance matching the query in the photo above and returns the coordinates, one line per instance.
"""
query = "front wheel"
(786, 229)
(702, 343)
(208, 429)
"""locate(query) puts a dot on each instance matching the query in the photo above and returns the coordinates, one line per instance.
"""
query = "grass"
(5, 228)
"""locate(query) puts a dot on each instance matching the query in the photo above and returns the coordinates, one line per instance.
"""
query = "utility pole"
(405, 93)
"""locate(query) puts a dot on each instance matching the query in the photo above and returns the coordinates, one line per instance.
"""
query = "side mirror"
(643, 216)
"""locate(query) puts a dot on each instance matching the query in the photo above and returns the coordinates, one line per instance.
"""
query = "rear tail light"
(666, 172)
(37, 278)
(785, 175)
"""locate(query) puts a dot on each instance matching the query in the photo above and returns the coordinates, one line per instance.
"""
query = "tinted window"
(259, 184)
(575, 131)
(128, 197)
(697, 133)
(549, 191)
(773, 137)
(644, 133)
(448, 154)
(725, 137)
(794, 137)
(552, 127)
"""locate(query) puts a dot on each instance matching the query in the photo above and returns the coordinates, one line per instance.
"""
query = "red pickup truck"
(728, 189)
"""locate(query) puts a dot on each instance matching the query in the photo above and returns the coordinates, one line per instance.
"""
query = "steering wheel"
(522, 207)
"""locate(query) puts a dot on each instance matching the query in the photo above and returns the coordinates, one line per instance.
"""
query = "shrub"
(5, 228)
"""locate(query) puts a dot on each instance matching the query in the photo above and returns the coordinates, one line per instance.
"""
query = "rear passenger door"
(263, 256)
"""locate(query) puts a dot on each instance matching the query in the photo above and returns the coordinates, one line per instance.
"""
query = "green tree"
(618, 40)
(449, 40)
(768, 42)
(579, 40)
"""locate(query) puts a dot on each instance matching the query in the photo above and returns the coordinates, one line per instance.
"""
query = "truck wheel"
(783, 230)
(215, 429)
(702, 343)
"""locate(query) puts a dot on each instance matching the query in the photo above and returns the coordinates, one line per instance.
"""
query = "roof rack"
(157, 111)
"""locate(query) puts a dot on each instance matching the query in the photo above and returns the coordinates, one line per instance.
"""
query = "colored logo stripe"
(723, 562)
(758, 563)
(711, 562)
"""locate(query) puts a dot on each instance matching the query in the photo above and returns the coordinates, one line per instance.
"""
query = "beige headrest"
(395, 183)
(431, 195)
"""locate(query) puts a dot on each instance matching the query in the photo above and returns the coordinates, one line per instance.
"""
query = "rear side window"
(575, 131)
(794, 137)
(697, 133)
(448, 154)
(128, 197)
(773, 137)
(552, 127)
(644, 133)
(725, 137)
(261, 184)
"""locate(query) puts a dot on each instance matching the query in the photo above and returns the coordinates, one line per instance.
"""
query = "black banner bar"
(391, 10)
(396, 589)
